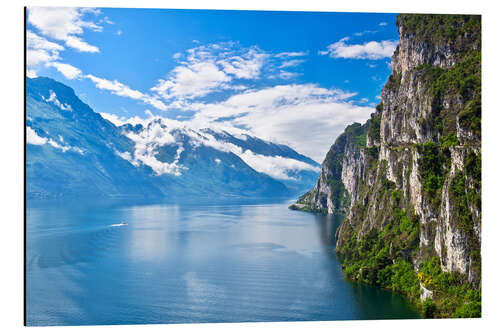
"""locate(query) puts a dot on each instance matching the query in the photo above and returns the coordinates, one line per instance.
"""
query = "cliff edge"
(409, 179)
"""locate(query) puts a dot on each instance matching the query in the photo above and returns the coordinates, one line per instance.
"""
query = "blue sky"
(291, 77)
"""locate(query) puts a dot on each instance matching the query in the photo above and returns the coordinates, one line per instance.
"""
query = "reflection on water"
(172, 263)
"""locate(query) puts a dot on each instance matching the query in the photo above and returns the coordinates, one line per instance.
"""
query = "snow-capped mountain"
(74, 151)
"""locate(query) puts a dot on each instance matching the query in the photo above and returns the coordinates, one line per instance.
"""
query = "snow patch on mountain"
(147, 142)
(33, 138)
(53, 99)
(151, 134)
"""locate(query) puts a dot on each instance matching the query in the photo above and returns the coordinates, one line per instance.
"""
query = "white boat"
(121, 224)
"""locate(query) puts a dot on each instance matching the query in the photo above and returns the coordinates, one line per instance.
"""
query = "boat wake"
(119, 224)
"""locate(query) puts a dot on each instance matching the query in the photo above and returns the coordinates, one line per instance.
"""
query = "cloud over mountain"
(372, 50)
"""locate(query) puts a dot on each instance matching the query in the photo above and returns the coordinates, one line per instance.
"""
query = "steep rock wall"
(411, 191)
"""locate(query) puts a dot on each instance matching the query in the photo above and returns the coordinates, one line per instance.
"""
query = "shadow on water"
(375, 302)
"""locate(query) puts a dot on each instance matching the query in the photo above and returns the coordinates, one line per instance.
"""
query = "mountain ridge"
(73, 151)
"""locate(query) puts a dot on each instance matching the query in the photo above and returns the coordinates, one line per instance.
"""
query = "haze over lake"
(224, 262)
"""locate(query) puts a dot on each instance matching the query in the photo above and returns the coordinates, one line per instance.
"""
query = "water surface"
(190, 263)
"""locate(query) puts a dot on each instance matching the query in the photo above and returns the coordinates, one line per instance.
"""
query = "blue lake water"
(190, 264)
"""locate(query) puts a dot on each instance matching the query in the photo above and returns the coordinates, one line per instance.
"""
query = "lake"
(190, 263)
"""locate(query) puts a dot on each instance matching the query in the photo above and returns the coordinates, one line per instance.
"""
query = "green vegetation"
(461, 81)
(374, 127)
(393, 82)
(378, 258)
(429, 308)
(371, 157)
(380, 242)
(455, 29)
(470, 116)
(369, 258)
(360, 140)
(450, 140)
(453, 296)
(473, 166)
(306, 208)
(374, 264)
(383, 255)
(355, 134)
(464, 193)
(433, 165)
(459, 192)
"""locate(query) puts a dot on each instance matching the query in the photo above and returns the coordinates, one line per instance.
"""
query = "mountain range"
(74, 152)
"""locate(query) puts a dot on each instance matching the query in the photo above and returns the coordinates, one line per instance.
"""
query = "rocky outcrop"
(337, 183)
(411, 190)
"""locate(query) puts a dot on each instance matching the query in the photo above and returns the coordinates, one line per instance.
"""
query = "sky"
(297, 78)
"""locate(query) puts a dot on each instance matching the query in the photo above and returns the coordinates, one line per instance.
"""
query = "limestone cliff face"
(418, 171)
(338, 181)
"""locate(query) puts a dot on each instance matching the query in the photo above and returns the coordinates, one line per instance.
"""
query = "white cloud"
(60, 24)
(359, 34)
(208, 68)
(246, 66)
(205, 69)
(194, 80)
(284, 75)
(38, 57)
(291, 54)
(201, 71)
(291, 63)
(382, 24)
(34, 41)
(106, 20)
(39, 50)
(115, 87)
(160, 131)
(127, 157)
(275, 166)
(306, 117)
(31, 73)
(116, 120)
(123, 90)
(146, 144)
(119, 121)
(81, 45)
(65, 24)
(370, 50)
(70, 72)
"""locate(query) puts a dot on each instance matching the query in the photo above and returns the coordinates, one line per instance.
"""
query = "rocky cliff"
(409, 180)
